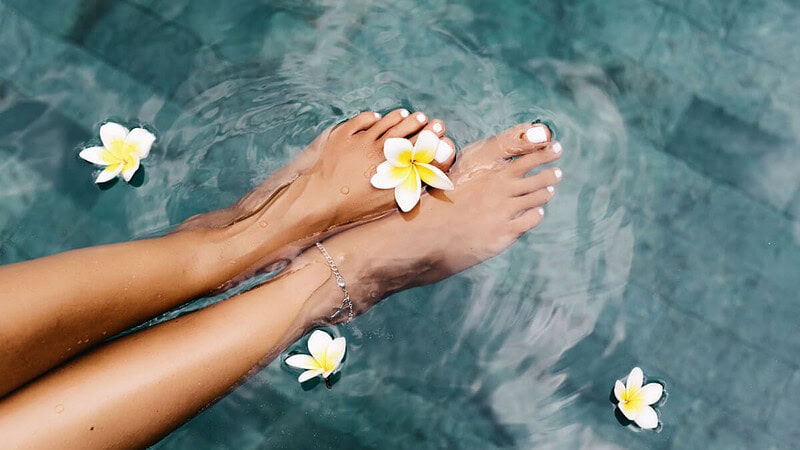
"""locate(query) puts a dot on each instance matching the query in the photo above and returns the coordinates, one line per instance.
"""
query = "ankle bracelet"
(347, 304)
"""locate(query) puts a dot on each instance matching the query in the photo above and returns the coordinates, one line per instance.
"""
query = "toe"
(541, 180)
(435, 126)
(361, 122)
(525, 138)
(530, 200)
(445, 155)
(526, 163)
(527, 220)
(410, 125)
(387, 122)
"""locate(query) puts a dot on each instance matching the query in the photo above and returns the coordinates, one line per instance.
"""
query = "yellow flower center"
(121, 153)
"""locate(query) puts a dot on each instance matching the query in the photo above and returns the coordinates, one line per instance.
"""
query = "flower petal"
(398, 151)
(108, 173)
(651, 393)
(389, 176)
(407, 193)
(619, 390)
(434, 177)
(93, 155)
(629, 410)
(425, 148)
(318, 345)
(309, 374)
(130, 168)
(334, 357)
(111, 132)
(635, 380)
(142, 139)
(647, 418)
(302, 362)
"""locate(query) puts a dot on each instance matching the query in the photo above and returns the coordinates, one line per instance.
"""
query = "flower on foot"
(121, 152)
(324, 360)
(635, 400)
(408, 166)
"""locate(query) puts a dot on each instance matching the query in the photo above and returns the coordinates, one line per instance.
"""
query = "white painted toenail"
(377, 115)
(551, 189)
(557, 147)
(403, 113)
(421, 118)
(536, 135)
(443, 152)
(437, 127)
(558, 174)
(541, 211)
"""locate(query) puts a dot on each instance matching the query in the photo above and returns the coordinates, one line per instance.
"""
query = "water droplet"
(262, 224)
(344, 190)
(59, 408)
(370, 154)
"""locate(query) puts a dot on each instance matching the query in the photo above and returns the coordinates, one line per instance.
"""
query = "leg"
(132, 391)
(54, 307)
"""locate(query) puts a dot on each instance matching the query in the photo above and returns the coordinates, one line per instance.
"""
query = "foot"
(329, 174)
(494, 202)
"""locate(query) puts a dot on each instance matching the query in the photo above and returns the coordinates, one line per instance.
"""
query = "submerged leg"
(55, 307)
(132, 391)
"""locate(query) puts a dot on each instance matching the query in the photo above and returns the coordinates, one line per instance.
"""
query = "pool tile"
(736, 152)
(628, 26)
(781, 115)
(767, 28)
(159, 53)
(714, 16)
(56, 20)
(737, 81)
(783, 425)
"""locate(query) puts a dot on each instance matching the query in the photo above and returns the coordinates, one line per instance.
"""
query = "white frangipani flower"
(326, 356)
(121, 151)
(407, 166)
(635, 399)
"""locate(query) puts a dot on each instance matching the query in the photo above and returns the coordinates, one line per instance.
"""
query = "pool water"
(672, 244)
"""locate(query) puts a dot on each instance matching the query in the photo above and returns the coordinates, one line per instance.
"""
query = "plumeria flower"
(407, 166)
(326, 356)
(635, 399)
(121, 151)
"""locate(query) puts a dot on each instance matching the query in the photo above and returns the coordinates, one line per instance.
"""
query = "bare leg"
(132, 391)
(54, 307)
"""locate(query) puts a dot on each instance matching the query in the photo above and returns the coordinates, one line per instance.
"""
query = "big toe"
(445, 152)
(523, 139)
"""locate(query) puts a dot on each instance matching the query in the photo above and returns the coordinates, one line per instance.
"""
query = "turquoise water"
(673, 243)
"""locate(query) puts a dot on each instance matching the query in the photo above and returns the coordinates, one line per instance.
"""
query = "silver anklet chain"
(347, 304)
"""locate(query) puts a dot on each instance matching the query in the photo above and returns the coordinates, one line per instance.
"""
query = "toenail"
(403, 113)
(536, 135)
(437, 127)
(551, 189)
(557, 147)
(541, 211)
(558, 174)
(377, 115)
(443, 152)
(421, 118)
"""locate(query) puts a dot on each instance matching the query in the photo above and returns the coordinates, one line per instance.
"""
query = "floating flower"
(407, 166)
(121, 151)
(635, 399)
(326, 356)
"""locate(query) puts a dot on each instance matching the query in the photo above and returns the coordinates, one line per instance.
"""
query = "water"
(672, 244)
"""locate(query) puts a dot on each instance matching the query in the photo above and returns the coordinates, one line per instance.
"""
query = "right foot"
(494, 202)
(331, 176)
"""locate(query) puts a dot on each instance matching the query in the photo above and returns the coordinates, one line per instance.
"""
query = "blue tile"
(781, 115)
(59, 20)
(156, 52)
(767, 28)
(714, 16)
(627, 26)
(737, 81)
(738, 153)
